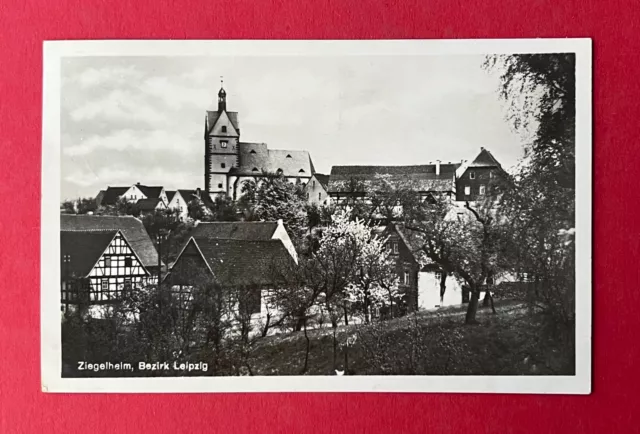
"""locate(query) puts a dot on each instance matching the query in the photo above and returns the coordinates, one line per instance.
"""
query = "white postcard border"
(52, 380)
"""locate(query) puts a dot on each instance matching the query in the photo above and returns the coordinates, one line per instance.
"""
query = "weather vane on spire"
(221, 81)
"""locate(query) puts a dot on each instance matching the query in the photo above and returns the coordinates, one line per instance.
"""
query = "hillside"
(511, 342)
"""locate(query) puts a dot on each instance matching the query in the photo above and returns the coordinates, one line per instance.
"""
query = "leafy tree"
(82, 205)
(224, 209)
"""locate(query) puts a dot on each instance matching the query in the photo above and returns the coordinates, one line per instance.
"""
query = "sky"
(141, 119)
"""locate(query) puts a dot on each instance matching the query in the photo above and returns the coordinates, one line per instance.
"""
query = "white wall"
(429, 291)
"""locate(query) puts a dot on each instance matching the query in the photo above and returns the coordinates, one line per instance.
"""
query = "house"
(353, 182)
(246, 231)
(229, 162)
(406, 265)
(480, 178)
(424, 279)
(149, 205)
(97, 268)
(317, 189)
(131, 227)
(131, 194)
(245, 270)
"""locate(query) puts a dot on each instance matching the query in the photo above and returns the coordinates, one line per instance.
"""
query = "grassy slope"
(510, 342)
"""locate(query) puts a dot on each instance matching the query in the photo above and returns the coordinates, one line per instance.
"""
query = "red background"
(25, 24)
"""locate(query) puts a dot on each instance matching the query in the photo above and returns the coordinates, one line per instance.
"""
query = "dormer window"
(223, 144)
(252, 152)
(222, 165)
(472, 175)
(224, 129)
(255, 169)
(288, 155)
(279, 172)
(301, 171)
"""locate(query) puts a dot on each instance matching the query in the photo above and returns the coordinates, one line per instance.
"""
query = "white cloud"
(131, 140)
(91, 77)
(119, 105)
(116, 176)
(174, 93)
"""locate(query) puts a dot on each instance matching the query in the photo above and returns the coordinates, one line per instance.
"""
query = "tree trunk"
(335, 348)
(487, 296)
(346, 315)
(265, 329)
(473, 307)
(346, 359)
(308, 347)
(443, 286)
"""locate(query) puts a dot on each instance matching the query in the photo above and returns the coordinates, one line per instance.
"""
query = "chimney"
(438, 167)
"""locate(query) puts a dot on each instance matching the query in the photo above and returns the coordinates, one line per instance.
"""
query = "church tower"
(221, 138)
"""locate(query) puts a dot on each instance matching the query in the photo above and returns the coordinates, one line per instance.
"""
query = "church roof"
(212, 118)
(424, 177)
(132, 229)
(170, 194)
(257, 158)
(84, 249)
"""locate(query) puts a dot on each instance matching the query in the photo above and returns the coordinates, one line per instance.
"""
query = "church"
(228, 162)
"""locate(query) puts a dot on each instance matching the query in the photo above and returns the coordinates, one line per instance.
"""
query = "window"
(104, 285)
(319, 196)
(467, 190)
(491, 175)
(314, 184)
(223, 144)
(224, 128)
(128, 261)
(279, 171)
(438, 277)
(406, 278)
(482, 189)
(472, 175)
(223, 165)
(219, 185)
(107, 262)
(395, 247)
(255, 169)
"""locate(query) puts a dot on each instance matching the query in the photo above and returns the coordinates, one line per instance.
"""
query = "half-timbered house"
(97, 269)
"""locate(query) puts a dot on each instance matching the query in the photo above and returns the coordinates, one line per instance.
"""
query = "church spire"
(222, 97)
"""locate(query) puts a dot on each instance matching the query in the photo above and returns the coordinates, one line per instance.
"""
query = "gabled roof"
(170, 194)
(132, 229)
(212, 118)
(151, 192)
(241, 262)
(248, 231)
(84, 249)
(323, 180)
(112, 194)
(425, 178)
(259, 156)
(485, 159)
(189, 195)
(148, 204)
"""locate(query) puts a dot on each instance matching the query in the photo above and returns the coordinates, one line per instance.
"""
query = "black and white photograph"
(235, 216)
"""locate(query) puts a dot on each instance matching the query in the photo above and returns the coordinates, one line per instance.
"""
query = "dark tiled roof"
(249, 231)
(323, 180)
(259, 156)
(132, 229)
(212, 118)
(148, 204)
(112, 194)
(84, 248)
(189, 195)
(485, 159)
(424, 178)
(241, 262)
(151, 192)
(170, 194)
